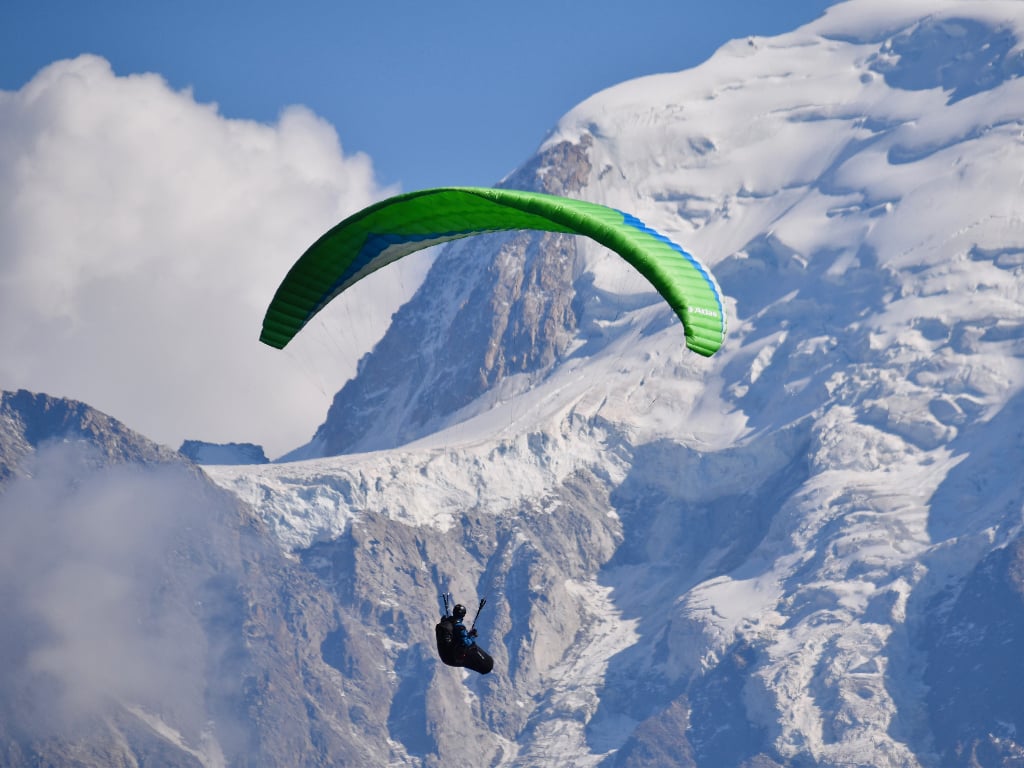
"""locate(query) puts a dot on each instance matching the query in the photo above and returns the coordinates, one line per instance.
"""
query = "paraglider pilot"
(456, 645)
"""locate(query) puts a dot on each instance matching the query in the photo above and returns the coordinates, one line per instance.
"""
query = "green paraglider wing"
(398, 226)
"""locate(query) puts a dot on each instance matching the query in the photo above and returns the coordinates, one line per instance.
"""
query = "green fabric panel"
(393, 228)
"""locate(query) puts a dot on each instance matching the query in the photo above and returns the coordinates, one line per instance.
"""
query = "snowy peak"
(492, 307)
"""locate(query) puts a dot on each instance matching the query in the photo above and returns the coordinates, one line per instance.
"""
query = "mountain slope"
(148, 618)
(797, 522)
(803, 551)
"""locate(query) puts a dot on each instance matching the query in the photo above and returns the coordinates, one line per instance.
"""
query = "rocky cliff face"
(971, 641)
(202, 452)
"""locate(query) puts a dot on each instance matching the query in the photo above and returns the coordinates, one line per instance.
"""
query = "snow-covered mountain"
(804, 551)
(769, 548)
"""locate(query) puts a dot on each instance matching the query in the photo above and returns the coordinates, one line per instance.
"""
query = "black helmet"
(459, 611)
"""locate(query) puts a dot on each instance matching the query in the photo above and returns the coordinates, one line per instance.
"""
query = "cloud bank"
(142, 235)
(103, 573)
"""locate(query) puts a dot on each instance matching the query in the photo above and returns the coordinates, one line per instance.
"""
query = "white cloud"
(105, 571)
(142, 236)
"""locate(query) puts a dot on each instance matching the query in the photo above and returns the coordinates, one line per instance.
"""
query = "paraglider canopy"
(382, 233)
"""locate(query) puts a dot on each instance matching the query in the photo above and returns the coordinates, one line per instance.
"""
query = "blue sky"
(436, 93)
